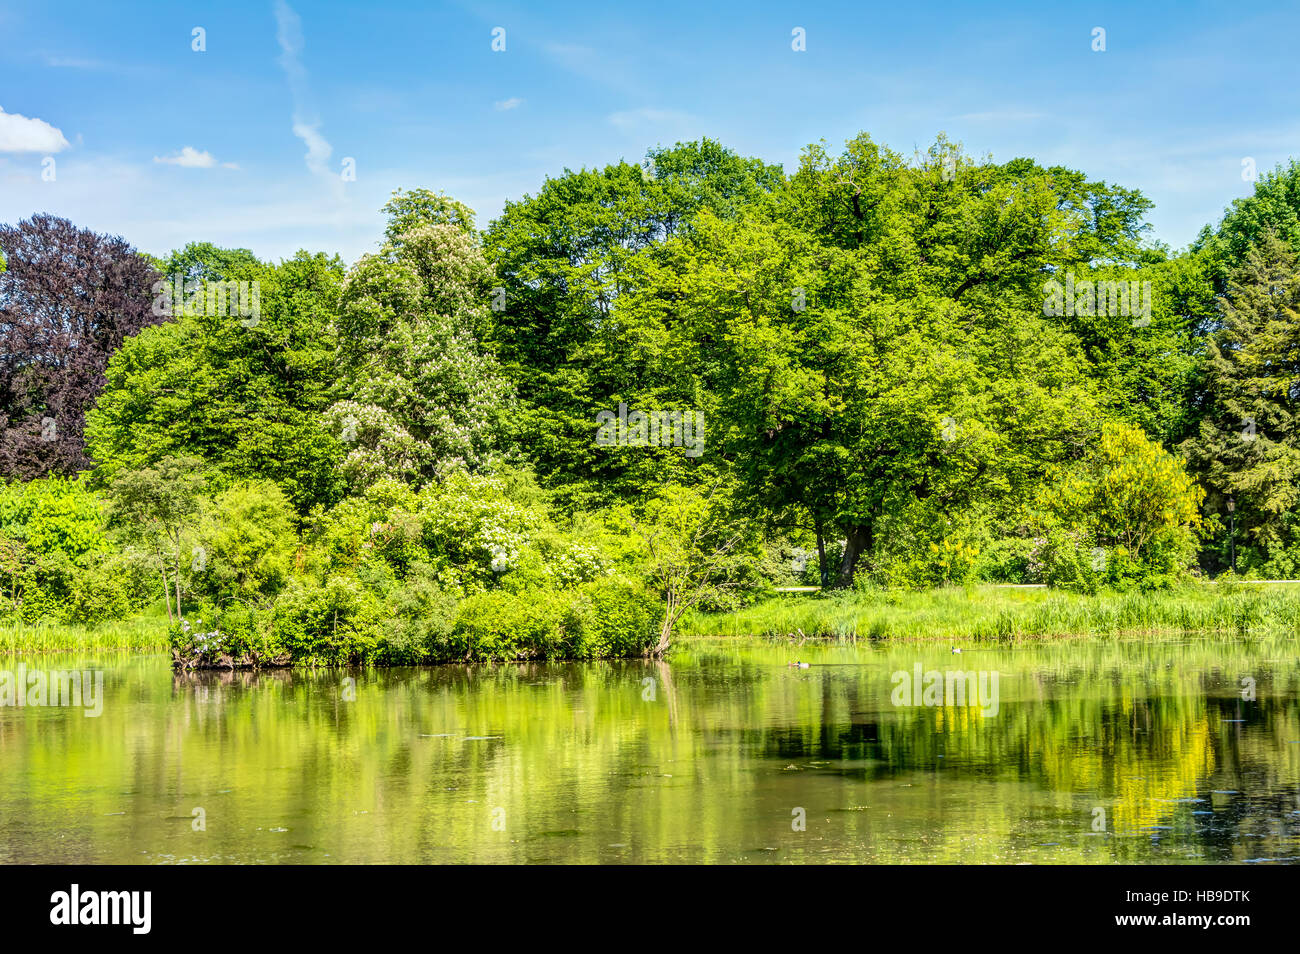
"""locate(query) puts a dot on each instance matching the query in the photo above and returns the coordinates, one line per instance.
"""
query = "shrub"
(1131, 498)
(419, 628)
(1067, 559)
(246, 547)
(336, 623)
(610, 617)
(500, 625)
(1005, 561)
(624, 619)
(102, 591)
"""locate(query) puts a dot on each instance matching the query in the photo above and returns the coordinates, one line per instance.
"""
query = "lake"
(1070, 751)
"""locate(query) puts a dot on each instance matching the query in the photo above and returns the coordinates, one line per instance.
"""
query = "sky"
(110, 116)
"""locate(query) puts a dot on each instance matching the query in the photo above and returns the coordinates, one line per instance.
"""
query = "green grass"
(974, 614)
(141, 634)
(990, 613)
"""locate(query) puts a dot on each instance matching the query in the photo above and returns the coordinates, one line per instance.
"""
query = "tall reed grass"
(143, 634)
(991, 613)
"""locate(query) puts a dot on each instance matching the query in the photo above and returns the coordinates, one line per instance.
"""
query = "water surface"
(1098, 752)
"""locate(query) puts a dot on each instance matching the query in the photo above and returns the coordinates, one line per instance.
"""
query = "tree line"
(911, 371)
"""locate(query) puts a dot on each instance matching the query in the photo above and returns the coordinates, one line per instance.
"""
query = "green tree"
(1129, 494)
(156, 508)
(689, 538)
(246, 544)
(244, 394)
(408, 211)
(203, 261)
(1248, 447)
(418, 392)
(567, 259)
(1274, 205)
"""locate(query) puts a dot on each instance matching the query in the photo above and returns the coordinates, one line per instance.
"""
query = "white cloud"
(98, 66)
(608, 70)
(190, 158)
(306, 126)
(20, 134)
(572, 56)
(510, 103)
(274, 216)
(318, 148)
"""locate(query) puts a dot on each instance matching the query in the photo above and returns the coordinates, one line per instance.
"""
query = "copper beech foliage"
(68, 298)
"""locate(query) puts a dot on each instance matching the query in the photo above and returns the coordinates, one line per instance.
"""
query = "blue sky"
(414, 93)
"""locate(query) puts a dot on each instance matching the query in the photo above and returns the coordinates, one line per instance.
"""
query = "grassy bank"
(993, 613)
(972, 614)
(143, 634)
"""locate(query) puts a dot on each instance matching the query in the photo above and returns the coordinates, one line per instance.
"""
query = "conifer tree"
(1248, 447)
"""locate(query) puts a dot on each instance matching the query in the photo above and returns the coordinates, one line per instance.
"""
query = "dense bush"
(246, 544)
(343, 623)
(1067, 559)
(473, 568)
(1126, 515)
(614, 617)
(1005, 561)
(56, 564)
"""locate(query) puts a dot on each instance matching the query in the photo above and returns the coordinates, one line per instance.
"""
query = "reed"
(989, 613)
(141, 634)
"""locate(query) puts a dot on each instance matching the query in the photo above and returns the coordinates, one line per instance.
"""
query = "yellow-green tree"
(1133, 499)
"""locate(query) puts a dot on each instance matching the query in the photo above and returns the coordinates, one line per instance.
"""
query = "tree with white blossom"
(420, 392)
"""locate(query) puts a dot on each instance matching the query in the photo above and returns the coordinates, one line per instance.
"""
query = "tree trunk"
(178, 591)
(821, 557)
(167, 594)
(666, 631)
(858, 540)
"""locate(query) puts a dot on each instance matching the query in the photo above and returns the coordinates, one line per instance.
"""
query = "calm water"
(1097, 752)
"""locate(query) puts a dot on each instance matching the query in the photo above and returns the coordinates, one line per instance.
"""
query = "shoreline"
(989, 615)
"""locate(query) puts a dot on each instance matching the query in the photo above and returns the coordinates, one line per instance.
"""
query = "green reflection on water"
(708, 758)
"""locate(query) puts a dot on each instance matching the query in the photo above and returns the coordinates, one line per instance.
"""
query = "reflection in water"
(1099, 751)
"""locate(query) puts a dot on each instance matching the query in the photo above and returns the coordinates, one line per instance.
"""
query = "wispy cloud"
(511, 103)
(191, 158)
(273, 215)
(306, 124)
(19, 133)
(573, 56)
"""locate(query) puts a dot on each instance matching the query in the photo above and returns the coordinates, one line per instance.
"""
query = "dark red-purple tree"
(68, 297)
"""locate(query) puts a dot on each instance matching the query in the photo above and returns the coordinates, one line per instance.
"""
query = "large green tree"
(242, 393)
(567, 258)
(418, 392)
(1273, 205)
(871, 338)
(862, 409)
(1248, 445)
